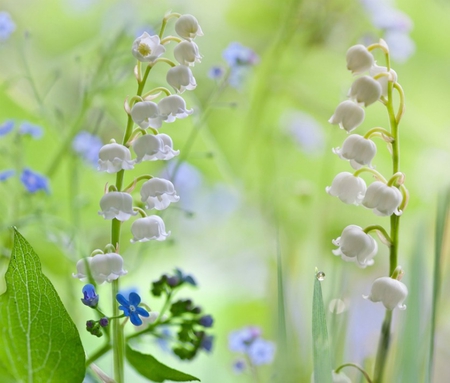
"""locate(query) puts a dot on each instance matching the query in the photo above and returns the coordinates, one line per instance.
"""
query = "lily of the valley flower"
(347, 188)
(359, 59)
(187, 27)
(365, 90)
(147, 147)
(167, 152)
(131, 308)
(383, 80)
(348, 114)
(147, 48)
(186, 53)
(103, 267)
(158, 193)
(181, 78)
(148, 228)
(146, 114)
(358, 150)
(173, 107)
(354, 245)
(383, 199)
(114, 157)
(117, 205)
(391, 292)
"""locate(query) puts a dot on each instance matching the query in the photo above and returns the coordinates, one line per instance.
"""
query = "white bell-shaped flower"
(347, 188)
(173, 107)
(117, 205)
(349, 115)
(186, 53)
(148, 147)
(354, 245)
(359, 59)
(383, 199)
(148, 228)
(187, 27)
(375, 70)
(358, 150)
(146, 114)
(103, 267)
(365, 90)
(147, 48)
(181, 78)
(391, 292)
(167, 152)
(114, 157)
(158, 193)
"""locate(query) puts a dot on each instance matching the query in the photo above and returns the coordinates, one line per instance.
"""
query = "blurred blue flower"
(206, 321)
(34, 182)
(239, 366)
(32, 130)
(90, 298)
(207, 342)
(7, 26)
(130, 308)
(185, 277)
(6, 127)
(236, 55)
(216, 72)
(239, 340)
(5, 174)
(163, 339)
(261, 351)
(87, 145)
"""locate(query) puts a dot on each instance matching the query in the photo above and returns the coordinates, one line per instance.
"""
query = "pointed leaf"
(39, 341)
(149, 367)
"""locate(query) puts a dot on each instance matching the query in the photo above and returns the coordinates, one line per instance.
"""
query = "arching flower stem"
(137, 179)
(168, 39)
(162, 60)
(165, 20)
(378, 132)
(370, 170)
(379, 229)
(158, 89)
(142, 213)
(366, 375)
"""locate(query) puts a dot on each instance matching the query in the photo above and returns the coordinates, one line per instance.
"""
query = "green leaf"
(322, 358)
(39, 341)
(149, 367)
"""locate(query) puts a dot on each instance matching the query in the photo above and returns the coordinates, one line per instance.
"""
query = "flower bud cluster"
(385, 198)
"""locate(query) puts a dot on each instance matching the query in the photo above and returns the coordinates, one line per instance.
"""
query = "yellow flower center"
(144, 49)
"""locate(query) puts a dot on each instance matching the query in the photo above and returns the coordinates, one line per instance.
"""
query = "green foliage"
(149, 367)
(39, 341)
(322, 358)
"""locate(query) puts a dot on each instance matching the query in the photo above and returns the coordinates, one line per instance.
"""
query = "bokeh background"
(254, 220)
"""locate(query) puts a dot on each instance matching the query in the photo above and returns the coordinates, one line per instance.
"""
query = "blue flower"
(261, 352)
(131, 308)
(87, 145)
(8, 125)
(185, 277)
(7, 26)
(4, 175)
(34, 182)
(239, 340)
(239, 366)
(32, 130)
(90, 297)
(207, 342)
(206, 321)
(238, 55)
(216, 73)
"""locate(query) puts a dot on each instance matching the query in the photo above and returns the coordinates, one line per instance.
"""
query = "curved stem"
(401, 108)
(162, 60)
(370, 170)
(379, 228)
(366, 375)
(374, 131)
(136, 180)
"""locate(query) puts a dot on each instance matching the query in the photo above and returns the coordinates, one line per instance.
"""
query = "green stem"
(380, 229)
(366, 375)
(99, 353)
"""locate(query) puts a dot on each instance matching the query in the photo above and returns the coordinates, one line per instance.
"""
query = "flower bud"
(158, 193)
(90, 298)
(117, 205)
(146, 114)
(186, 53)
(356, 246)
(180, 78)
(187, 27)
(365, 90)
(388, 291)
(148, 228)
(348, 188)
(173, 107)
(114, 158)
(359, 59)
(147, 48)
(348, 114)
(383, 199)
(358, 150)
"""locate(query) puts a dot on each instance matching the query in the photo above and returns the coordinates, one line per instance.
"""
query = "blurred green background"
(254, 171)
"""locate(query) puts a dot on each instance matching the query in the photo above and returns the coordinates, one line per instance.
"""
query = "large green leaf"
(39, 342)
(149, 367)
(322, 358)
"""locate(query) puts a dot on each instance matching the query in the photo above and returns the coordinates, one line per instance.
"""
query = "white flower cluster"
(383, 197)
(156, 193)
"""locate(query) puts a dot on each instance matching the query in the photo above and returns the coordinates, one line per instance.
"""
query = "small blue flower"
(4, 175)
(163, 339)
(31, 130)
(239, 340)
(131, 308)
(206, 321)
(261, 352)
(238, 55)
(103, 322)
(216, 73)
(90, 297)
(239, 366)
(7, 26)
(34, 182)
(185, 277)
(87, 145)
(207, 342)
(8, 125)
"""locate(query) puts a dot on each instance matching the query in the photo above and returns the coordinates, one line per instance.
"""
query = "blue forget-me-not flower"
(130, 308)
(7, 26)
(34, 182)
